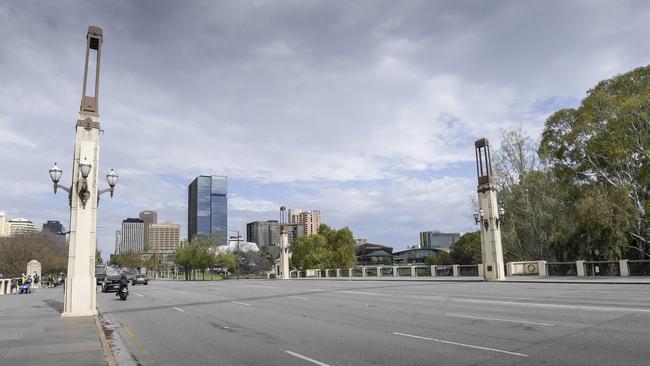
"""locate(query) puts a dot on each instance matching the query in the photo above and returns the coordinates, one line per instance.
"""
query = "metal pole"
(238, 253)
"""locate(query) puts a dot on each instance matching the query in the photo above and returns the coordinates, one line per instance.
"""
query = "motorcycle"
(123, 292)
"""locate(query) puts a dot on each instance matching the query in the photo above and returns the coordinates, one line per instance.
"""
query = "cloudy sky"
(365, 110)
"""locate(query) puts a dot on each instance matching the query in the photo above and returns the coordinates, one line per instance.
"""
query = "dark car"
(100, 277)
(111, 283)
(142, 279)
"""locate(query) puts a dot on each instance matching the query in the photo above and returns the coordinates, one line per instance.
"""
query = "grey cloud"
(293, 91)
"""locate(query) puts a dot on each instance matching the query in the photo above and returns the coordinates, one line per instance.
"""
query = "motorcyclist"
(124, 284)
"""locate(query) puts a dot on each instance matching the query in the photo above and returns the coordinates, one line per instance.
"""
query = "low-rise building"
(20, 226)
(370, 254)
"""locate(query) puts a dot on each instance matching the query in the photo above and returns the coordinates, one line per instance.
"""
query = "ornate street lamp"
(84, 168)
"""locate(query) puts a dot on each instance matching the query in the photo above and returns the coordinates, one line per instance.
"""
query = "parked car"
(142, 279)
(111, 283)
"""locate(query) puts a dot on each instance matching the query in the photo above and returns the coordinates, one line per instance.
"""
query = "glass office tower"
(207, 208)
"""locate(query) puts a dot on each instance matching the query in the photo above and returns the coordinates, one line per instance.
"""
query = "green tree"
(442, 258)
(226, 260)
(329, 248)
(467, 250)
(600, 152)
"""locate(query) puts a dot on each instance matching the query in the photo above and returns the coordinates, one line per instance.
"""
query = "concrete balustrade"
(534, 268)
(624, 268)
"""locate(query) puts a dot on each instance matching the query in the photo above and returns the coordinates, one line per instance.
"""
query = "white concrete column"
(379, 270)
(434, 272)
(541, 267)
(480, 269)
(284, 254)
(80, 283)
(2, 287)
(414, 272)
(327, 273)
(624, 268)
(363, 272)
(338, 272)
(350, 272)
(395, 271)
(456, 270)
(511, 268)
(580, 268)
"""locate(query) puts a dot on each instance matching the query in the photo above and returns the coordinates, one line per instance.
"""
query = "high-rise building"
(148, 217)
(164, 238)
(118, 241)
(4, 225)
(436, 240)
(310, 220)
(53, 227)
(207, 208)
(132, 236)
(266, 233)
(20, 226)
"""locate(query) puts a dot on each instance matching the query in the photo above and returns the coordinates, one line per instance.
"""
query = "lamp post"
(489, 215)
(238, 250)
(83, 193)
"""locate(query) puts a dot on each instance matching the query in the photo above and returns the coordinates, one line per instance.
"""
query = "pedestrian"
(14, 286)
(22, 278)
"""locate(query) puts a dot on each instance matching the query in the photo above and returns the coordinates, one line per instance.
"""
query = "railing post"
(338, 272)
(414, 272)
(2, 287)
(510, 267)
(363, 272)
(350, 273)
(456, 270)
(541, 268)
(327, 273)
(434, 272)
(379, 271)
(580, 268)
(624, 268)
(395, 271)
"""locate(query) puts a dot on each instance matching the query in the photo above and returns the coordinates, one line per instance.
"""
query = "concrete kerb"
(108, 352)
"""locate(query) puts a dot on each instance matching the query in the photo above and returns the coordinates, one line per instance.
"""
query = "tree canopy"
(330, 248)
(583, 192)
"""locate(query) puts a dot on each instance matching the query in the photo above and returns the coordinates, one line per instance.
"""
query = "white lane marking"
(557, 306)
(260, 286)
(241, 303)
(306, 358)
(360, 293)
(181, 310)
(139, 295)
(461, 344)
(501, 320)
(299, 297)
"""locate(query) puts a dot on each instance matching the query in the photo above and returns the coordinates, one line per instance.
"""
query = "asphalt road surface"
(320, 322)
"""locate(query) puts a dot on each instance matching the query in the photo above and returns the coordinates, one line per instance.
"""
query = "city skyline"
(375, 131)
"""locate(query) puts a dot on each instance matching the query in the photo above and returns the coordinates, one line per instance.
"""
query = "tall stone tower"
(80, 283)
(488, 215)
(284, 245)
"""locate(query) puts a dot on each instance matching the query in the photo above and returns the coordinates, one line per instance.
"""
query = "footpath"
(32, 332)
